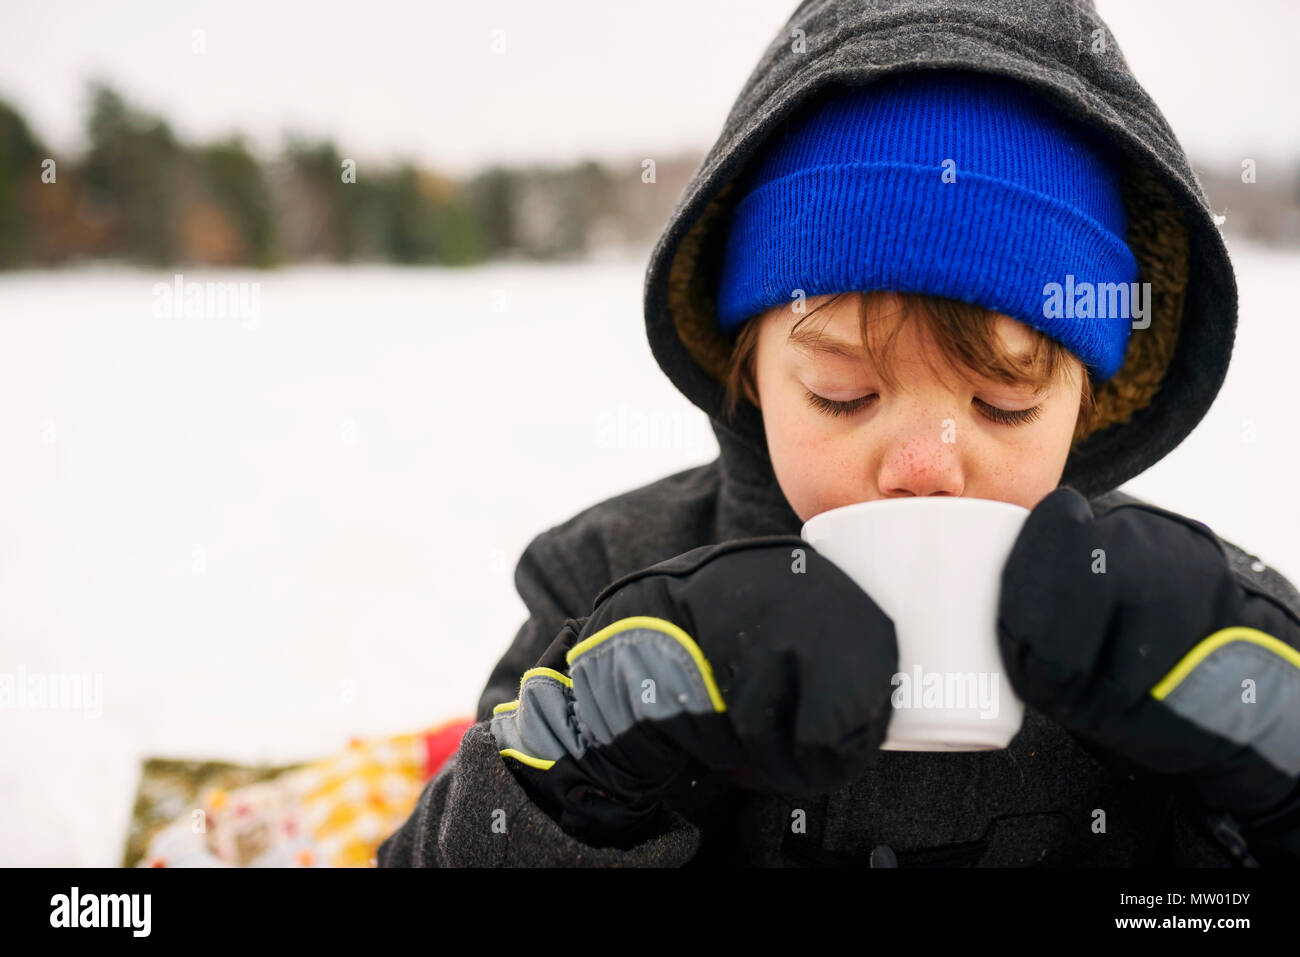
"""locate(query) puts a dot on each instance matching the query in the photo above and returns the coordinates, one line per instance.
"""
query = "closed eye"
(1009, 416)
(829, 407)
(990, 412)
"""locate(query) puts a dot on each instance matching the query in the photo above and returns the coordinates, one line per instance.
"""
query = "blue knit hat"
(950, 183)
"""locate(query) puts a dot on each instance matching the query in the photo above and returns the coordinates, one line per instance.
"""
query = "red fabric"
(442, 742)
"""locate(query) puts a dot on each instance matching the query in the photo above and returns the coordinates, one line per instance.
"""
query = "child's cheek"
(1025, 473)
(815, 469)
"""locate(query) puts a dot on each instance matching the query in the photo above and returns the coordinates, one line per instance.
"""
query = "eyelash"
(1000, 416)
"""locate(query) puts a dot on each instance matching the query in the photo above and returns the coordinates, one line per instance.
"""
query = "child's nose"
(921, 465)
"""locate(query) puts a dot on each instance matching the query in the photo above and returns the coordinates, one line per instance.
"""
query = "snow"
(269, 535)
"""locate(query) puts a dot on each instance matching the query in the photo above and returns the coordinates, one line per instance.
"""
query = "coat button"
(883, 855)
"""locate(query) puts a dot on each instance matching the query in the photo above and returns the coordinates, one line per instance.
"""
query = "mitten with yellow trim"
(756, 656)
(1132, 631)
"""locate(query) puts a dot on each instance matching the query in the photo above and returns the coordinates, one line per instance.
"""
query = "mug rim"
(961, 501)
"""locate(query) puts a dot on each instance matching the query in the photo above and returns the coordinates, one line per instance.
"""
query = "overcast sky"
(575, 78)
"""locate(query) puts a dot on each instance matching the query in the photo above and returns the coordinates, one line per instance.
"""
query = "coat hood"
(1061, 49)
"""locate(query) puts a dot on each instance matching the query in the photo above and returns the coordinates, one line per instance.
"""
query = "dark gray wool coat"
(1033, 802)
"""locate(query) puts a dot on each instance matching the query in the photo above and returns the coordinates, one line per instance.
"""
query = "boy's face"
(932, 437)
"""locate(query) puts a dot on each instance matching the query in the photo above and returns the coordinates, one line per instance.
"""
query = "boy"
(855, 288)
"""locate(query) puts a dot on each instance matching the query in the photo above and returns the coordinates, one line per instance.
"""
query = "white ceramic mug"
(934, 566)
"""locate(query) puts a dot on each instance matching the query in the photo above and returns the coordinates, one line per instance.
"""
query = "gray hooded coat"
(1034, 802)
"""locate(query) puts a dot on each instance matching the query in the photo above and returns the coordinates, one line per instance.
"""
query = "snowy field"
(269, 533)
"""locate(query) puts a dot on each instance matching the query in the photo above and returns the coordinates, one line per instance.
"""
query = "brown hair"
(967, 339)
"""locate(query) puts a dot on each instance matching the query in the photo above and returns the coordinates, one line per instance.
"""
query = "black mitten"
(756, 655)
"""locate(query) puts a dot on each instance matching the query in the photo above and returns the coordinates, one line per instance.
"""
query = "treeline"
(139, 195)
